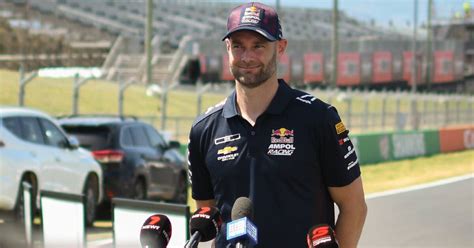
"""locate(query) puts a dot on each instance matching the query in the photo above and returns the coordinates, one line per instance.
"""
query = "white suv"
(34, 149)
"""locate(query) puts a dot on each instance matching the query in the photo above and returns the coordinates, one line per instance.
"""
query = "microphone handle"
(194, 240)
(241, 244)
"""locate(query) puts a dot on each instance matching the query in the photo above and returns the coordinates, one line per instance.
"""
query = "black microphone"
(204, 225)
(155, 232)
(322, 236)
(241, 230)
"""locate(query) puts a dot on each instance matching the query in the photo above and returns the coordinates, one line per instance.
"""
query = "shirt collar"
(230, 106)
(282, 97)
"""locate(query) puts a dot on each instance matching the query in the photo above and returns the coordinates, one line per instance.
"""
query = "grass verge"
(404, 173)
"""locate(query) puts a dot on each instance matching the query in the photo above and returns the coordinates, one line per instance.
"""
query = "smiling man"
(286, 150)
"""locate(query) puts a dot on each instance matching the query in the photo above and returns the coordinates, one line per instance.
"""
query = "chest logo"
(227, 138)
(227, 153)
(281, 142)
(308, 99)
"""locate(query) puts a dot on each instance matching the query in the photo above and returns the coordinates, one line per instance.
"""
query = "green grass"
(54, 96)
(398, 174)
(96, 96)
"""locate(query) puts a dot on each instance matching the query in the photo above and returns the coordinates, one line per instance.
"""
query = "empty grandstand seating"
(205, 22)
(173, 19)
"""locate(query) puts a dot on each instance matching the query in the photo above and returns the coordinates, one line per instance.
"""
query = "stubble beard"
(253, 80)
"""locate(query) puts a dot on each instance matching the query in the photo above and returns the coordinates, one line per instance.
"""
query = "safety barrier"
(386, 146)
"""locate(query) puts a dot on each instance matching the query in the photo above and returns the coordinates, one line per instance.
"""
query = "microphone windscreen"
(322, 236)
(155, 231)
(243, 207)
(207, 221)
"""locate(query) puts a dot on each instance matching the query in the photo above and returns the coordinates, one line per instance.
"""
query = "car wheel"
(19, 211)
(181, 194)
(90, 192)
(139, 190)
(19, 207)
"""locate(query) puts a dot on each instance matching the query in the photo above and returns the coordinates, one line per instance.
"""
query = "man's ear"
(281, 46)
(227, 44)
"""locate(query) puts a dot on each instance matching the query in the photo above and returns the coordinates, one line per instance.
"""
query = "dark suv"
(136, 160)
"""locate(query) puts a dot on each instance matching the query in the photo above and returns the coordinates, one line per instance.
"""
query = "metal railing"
(107, 67)
(361, 111)
(177, 63)
(368, 111)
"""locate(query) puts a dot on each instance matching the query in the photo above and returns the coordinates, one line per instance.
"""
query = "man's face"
(252, 58)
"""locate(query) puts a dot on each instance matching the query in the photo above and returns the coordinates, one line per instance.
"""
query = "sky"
(400, 12)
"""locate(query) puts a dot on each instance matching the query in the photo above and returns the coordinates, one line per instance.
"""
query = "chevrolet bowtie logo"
(227, 150)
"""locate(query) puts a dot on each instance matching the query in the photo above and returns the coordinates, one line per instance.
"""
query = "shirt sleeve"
(339, 162)
(199, 176)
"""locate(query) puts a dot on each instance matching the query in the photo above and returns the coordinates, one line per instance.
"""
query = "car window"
(139, 136)
(52, 134)
(92, 138)
(31, 130)
(126, 138)
(155, 137)
(12, 125)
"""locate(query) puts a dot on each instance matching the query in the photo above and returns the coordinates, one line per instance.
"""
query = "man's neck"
(252, 102)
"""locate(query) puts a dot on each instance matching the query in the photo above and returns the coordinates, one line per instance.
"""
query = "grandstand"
(191, 30)
(204, 21)
(177, 21)
(36, 40)
(174, 19)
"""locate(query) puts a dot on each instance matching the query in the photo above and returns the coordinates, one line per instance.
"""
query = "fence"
(361, 110)
(370, 111)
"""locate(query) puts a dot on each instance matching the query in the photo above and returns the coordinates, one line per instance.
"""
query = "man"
(284, 149)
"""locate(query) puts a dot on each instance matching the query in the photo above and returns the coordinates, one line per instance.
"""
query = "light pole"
(414, 71)
(414, 64)
(24, 80)
(429, 44)
(335, 42)
(148, 35)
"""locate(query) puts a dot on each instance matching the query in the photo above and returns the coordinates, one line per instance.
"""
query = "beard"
(250, 79)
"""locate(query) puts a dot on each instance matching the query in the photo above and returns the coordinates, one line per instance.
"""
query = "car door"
(165, 169)
(66, 171)
(44, 156)
(142, 146)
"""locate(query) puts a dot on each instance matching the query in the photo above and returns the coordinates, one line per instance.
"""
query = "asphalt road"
(434, 215)
(438, 216)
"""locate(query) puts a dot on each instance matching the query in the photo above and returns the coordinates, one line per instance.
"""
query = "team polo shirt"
(284, 163)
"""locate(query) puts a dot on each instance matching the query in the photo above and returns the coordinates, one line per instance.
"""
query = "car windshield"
(91, 138)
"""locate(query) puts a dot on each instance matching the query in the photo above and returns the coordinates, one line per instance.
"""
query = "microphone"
(205, 224)
(241, 230)
(155, 232)
(322, 236)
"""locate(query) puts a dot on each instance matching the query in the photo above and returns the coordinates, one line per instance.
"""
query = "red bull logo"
(282, 135)
(282, 132)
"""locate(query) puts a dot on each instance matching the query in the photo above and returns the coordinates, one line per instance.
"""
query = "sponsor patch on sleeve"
(340, 128)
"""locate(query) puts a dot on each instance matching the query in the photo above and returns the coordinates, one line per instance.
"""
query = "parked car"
(34, 149)
(136, 160)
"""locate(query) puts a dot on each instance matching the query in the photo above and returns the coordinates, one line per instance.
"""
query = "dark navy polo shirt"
(284, 164)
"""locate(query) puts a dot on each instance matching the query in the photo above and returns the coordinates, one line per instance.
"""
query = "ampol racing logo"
(282, 140)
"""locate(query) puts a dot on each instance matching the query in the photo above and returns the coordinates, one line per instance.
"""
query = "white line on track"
(100, 242)
(420, 186)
